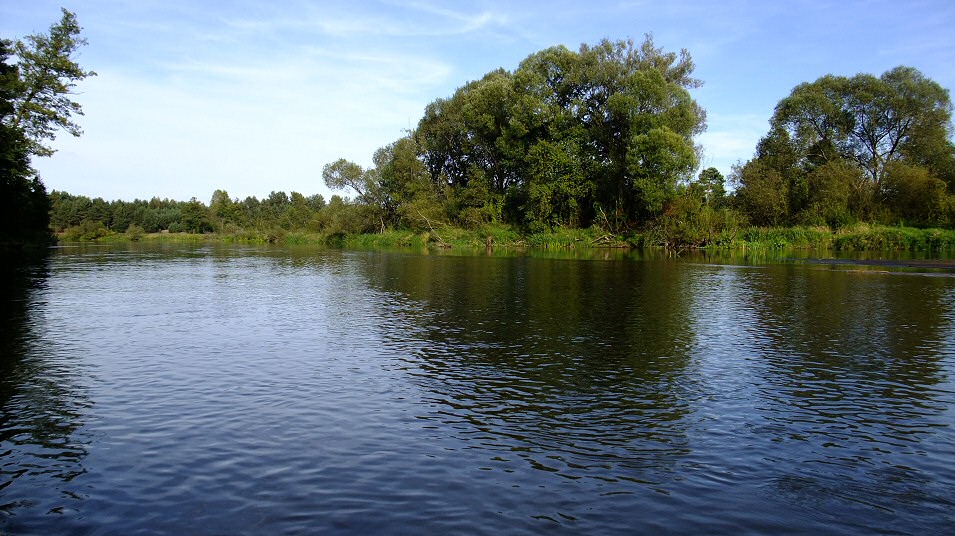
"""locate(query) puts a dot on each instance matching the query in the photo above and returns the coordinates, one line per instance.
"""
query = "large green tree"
(842, 148)
(869, 120)
(569, 135)
(35, 102)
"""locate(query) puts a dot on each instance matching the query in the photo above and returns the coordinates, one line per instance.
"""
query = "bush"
(914, 195)
(135, 232)
(86, 231)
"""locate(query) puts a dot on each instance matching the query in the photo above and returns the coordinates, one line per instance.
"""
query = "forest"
(600, 140)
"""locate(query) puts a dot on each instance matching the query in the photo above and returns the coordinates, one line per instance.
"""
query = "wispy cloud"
(253, 96)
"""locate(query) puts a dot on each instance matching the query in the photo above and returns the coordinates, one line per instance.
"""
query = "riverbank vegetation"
(296, 219)
(593, 147)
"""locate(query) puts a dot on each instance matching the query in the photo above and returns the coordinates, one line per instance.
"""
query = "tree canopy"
(861, 148)
(35, 102)
(565, 139)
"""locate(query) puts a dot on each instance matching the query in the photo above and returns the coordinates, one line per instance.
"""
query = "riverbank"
(860, 237)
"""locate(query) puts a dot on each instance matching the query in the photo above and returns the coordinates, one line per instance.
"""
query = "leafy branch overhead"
(48, 75)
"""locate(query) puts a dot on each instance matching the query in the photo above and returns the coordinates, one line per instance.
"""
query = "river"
(200, 389)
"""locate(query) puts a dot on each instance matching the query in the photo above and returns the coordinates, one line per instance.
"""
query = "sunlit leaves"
(865, 119)
(48, 74)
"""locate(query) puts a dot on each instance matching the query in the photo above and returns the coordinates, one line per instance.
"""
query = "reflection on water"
(42, 403)
(855, 382)
(180, 389)
(553, 363)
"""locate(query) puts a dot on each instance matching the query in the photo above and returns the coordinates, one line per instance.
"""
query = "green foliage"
(712, 186)
(34, 104)
(87, 230)
(837, 195)
(658, 159)
(566, 132)
(801, 237)
(842, 150)
(687, 221)
(913, 195)
(884, 238)
(866, 120)
(762, 193)
(557, 189)
(47, 76)
(135, 232)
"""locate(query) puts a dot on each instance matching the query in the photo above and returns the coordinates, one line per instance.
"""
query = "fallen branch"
(430, 226)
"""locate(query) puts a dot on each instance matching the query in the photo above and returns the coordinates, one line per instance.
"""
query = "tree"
(342, 174)
(761, 193)
(712, 185)
(867, 120)
(20, 195)
(610, 125)
(48, 74)
(833, 144)
(34, 104)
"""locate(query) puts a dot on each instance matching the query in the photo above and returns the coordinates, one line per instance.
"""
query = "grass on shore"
(861, 237)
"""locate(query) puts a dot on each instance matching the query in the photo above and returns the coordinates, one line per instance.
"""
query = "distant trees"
(848, 149)
(80, 217)
(35, 104)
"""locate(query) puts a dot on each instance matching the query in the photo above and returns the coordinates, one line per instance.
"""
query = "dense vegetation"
(842, 150)
(34, 105)
(593, 145)
(604, 137)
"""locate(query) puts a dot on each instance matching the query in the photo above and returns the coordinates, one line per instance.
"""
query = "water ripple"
(209, 390)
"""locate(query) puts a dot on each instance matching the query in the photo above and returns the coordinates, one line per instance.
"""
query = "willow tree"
(850, 148)
(568, 134)
(871, 121)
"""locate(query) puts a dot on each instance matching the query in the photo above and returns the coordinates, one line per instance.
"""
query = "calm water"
(214, 390)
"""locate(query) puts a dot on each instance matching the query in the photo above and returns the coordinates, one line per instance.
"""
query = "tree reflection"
(41, 407)
(850, 372)
(576, 367)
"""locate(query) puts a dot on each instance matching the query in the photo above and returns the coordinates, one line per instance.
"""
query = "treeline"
(82, 218)
(600, 139)
(604, 137)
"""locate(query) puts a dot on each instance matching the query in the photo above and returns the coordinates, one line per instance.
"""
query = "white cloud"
(731, 138)
(256, 96)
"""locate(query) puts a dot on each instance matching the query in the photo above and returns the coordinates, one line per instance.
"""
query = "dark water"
(198, 390)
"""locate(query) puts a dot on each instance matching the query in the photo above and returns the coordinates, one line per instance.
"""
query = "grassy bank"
(861, 237)
(855, 238)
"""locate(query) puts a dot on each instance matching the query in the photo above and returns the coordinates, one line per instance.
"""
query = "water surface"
(223, 390)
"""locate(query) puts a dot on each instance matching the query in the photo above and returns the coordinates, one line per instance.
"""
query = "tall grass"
(882, 238)
(860, 237)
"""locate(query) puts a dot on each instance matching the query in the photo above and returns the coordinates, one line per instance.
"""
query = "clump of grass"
(863, 237)
(798, 237)
(389, 238)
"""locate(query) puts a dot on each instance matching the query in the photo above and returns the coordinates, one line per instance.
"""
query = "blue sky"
(257, 96)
